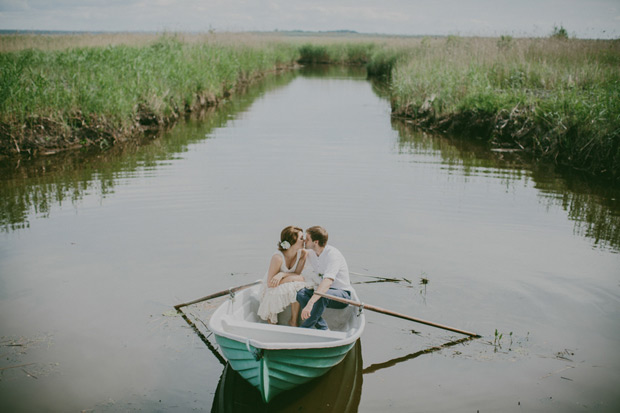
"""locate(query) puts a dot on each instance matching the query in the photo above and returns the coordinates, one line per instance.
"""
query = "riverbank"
(557, 99)
(54, 98)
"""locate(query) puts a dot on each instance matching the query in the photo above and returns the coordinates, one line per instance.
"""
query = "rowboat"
(276, 358)
(338, 390)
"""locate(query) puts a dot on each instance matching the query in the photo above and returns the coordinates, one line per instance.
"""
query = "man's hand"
(305, 313)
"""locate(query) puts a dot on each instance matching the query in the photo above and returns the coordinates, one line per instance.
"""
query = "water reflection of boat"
(339, 390)
(277, 358)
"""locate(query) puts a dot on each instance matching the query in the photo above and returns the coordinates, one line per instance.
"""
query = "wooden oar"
(394, 314)
(215, 295)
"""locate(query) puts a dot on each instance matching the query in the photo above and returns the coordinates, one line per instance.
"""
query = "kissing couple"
(326, 272)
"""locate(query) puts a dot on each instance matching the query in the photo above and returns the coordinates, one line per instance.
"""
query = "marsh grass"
(113, 81)
(62, 88)
(558, 98)
(336, 53)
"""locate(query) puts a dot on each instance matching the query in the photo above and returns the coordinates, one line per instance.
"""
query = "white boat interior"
(237, 319)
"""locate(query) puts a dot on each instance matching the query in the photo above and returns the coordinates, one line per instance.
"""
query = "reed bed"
(114, 81)
(557, 98)
(64, 96)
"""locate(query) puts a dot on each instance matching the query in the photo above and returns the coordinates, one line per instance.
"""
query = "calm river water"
(95, 250)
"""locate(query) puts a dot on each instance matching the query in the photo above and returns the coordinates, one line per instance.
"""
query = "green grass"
(113, 85)
(113, 81)
(558, 98)
(336, 53)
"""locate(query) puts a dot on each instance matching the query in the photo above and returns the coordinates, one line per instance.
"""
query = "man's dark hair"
(318, 234)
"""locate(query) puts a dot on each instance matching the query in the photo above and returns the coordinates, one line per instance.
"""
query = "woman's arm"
(290, 277)
(274, 276)
(296, 275)
(302, 262)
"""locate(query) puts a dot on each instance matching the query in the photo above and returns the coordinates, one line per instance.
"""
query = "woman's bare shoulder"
(277, 257)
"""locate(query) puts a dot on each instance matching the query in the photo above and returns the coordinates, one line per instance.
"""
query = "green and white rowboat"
(276, 358)
(338, 390)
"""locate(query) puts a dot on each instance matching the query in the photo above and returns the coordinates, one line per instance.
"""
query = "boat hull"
(275, 371)
(277, 358)
(338, 390)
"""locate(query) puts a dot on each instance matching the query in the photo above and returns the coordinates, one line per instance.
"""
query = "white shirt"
(330, 264)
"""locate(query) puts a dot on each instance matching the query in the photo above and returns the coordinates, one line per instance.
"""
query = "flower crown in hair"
(285, 245)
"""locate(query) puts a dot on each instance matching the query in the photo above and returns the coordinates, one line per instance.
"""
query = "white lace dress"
(275, 300)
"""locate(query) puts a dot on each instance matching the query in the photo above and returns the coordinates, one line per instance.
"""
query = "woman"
(283, 278)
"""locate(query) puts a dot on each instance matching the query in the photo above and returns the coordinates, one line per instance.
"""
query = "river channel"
(95, 249)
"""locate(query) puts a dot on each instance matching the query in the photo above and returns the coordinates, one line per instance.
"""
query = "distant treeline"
(556, 98)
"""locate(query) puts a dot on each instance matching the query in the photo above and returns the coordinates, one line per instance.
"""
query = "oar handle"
(395, 314)
(215, 295)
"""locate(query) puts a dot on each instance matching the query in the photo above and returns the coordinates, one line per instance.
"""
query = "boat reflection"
(339, 390)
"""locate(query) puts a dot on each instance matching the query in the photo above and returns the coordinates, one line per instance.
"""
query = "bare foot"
(293, 323)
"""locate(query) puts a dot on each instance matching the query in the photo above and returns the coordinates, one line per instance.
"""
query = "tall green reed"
(557, 98)
(115, 81)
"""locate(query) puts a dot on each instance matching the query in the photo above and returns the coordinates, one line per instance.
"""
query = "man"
(331, 269)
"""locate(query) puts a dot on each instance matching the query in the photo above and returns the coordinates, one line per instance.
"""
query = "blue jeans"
(316, 319)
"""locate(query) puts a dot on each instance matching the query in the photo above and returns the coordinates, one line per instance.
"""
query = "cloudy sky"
(582, 18)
